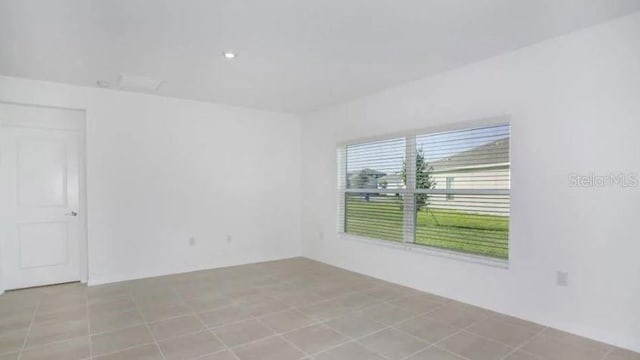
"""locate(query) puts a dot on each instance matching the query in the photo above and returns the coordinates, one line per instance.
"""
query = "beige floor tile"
(120, 339)
(356, 301)
(182, 325)
(250, 296)
(355, 325)
(223, 316)
(11, 356)
(621, 354)
(284, 297)
(144, 352)
(153, 296)
(456, 316)
(74, 349)
(551, 348)
(427, 329)
(97, 301)
(392, 343)
(474, 347)
(111, 306)
(324, 310)
(338, 288)
(519, 322)
(479, 312)
(273, 348)
(105, 322)
(300, 298)
(15, 321)
(72, 313)
(12, 341)
(194, 289)
(286, 320)
(8, 310)
(207, 303)
(390, 292)
(157, 312)
(387, 313)
(223, 355)
(53, 303)
(522, 355)
(503, 332)
(11, 304)
(57, 331)
(315, 338)
(108, 291)
(349, 351)
(418, 304)
(434, 353)
(190, 346)
(576, 340)
(242, 332)
(265, 307)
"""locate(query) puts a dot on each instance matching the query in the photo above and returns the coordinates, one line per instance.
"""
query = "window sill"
(448, 254)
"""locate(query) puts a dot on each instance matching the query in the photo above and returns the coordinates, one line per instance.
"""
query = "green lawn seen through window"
(469, 232)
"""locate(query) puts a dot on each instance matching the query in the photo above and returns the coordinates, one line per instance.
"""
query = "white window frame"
(409, 199)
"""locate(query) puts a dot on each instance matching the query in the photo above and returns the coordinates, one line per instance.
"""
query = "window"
(449, 187)
(402, 190)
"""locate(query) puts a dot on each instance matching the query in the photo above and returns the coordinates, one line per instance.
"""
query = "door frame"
(61, 119)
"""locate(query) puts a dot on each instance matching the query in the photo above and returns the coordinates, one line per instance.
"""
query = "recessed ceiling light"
(229, 55)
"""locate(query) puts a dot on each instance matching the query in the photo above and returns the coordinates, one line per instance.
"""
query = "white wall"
(161, 170)
(575, 107)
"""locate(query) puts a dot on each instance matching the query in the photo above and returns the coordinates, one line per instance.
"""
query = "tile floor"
(282, 310)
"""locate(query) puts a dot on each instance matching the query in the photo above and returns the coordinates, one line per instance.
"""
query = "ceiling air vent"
(132, 82)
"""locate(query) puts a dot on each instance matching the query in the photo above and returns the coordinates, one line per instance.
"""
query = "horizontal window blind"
(449, 190)
(369, 209)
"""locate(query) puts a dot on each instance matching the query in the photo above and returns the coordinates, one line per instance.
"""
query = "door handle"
(73, 213)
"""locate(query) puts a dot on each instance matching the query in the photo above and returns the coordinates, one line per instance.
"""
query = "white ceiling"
(293, 55)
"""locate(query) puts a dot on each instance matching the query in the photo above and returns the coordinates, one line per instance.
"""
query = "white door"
(39, 202)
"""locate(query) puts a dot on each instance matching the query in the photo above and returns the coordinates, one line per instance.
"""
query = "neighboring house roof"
(495, 153)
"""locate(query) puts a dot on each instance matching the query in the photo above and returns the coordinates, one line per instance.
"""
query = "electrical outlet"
(192, 241)
(562, 278)
(229, 238)
(321, 235)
